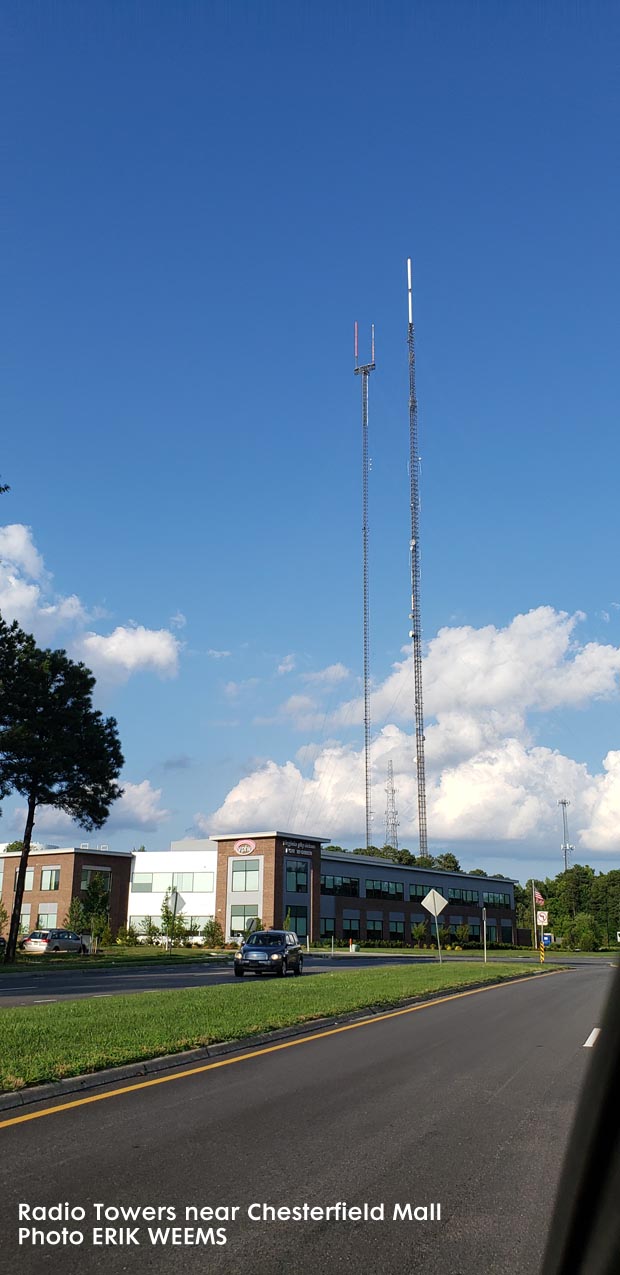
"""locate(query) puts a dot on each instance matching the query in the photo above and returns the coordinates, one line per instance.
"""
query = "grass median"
(70, 1038)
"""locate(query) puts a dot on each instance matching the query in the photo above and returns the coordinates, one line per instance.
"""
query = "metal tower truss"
(415, 613)
(364, 371)
(391, 813)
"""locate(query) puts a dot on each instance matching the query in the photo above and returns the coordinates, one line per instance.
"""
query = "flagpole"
(534, 931)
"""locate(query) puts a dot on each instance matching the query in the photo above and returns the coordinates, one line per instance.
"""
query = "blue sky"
(202, 198)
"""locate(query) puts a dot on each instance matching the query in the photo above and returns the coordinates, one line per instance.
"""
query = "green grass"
(69, 1038)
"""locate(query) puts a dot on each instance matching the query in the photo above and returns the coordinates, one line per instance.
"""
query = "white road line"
(592, 1038)
(47, 1000)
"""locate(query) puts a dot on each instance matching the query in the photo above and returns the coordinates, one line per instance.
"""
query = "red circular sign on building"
(244, 846)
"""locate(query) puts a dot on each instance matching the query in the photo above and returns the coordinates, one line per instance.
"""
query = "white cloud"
(287, 664)
(18, 549)
(487, 776)
(178, 620)
(26, 592)
(329, 676)
(234, 689)
(137, 808)
(218, 655)
(130, 650)
(27, 595)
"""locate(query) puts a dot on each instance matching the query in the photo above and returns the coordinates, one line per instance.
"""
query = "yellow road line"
(269, 1049)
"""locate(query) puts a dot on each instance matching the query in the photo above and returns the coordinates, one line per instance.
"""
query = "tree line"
(583, 906)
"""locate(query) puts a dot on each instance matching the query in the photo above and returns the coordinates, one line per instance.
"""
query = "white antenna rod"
(409, 289)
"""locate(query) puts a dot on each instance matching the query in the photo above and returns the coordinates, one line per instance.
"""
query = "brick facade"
(70, 863)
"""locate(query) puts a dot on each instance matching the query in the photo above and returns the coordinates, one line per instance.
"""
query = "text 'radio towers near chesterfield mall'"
(363, 371)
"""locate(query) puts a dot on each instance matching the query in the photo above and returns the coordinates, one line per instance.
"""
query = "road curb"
(168, 1062)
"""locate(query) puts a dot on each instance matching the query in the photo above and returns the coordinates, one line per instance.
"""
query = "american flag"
(539, 898)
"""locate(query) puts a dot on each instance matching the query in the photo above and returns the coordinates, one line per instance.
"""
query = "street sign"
(617, 936)
(434, 902)
(542, 918)
(547, 940)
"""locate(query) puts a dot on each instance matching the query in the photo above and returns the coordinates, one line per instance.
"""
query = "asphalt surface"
(465, 1103)
(30, 987)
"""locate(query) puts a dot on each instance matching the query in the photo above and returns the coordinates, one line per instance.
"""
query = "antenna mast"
(416, 624)
(566, 847)
(364, 372)
(391, 813)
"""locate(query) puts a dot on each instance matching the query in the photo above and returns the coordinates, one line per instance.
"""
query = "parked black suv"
(270, 952)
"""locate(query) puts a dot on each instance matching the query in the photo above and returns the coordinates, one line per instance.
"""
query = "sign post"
(484, 931)
(542, 919)
(435, 903)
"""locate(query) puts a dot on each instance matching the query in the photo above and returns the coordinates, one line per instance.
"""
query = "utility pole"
(415, 613)
(391, 813)
(364, 372)
(566, 847)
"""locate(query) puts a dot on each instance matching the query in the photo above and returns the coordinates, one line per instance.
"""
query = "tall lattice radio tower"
(391, 813)
(415, 614)
(363, 371)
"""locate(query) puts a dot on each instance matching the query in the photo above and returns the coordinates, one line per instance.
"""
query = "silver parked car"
(54, 941)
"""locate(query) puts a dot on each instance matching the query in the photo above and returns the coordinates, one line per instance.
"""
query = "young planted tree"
(213, 934)
(76, 916)
(55, 748)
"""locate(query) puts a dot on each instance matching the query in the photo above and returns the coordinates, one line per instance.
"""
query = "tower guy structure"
(391, 813)
(415, 613)
(363, 371)
(566, 847)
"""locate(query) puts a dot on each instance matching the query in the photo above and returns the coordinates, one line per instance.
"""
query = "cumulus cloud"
(129, 650)
(27, 595)
(488, 777)
(287, 664)
(26, 591)
(139, 807)
(218, 655)
(330, 676)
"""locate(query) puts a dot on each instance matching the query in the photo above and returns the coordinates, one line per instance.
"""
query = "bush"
(213, 934)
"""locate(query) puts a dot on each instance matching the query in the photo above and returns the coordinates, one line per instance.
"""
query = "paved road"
(33, 988)
(466, 1103)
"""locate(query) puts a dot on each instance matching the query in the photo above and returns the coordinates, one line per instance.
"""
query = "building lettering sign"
(244, 847)
(298, 847)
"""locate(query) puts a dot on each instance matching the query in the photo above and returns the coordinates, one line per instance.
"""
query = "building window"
(50, 878)
(506, 931)
(299, 920)
(48, 916)
(385, 890)
(497, 900)
(24, 919)
(328, 927)
(296, 878)
(104, 874)
(196, 924)
(203, 883)
(463, 896)
(240, 914)
(491, 932)
(350, 928)
(418, 891)
(374, 929)
(245, 877)
(397, 931)
(29, 882)
(474, 933)
(141, 923)
(183, 881)
(348, 886)
(142, 882)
